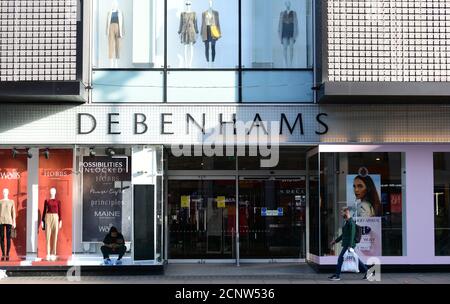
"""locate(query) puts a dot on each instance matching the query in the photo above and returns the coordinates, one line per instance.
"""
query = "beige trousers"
(52, 228)
(114, 41)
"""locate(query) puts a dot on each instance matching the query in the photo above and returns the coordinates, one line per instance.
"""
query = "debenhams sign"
(142, 123)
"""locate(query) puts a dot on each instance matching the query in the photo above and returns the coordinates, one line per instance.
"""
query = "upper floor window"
(128, 34)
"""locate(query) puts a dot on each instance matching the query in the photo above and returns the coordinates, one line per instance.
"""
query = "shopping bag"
(351, 260)
(215, 32)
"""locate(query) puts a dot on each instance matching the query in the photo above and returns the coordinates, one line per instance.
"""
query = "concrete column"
(418, 205)
(33, 202)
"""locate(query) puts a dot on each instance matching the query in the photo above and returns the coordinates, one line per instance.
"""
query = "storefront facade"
(237, 146)
(183, 207)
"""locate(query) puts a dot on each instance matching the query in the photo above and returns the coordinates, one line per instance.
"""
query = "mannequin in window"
(7, 221)
(211, 32)
(188, 33)
(114, 31)
(288, 33)
(51, 223)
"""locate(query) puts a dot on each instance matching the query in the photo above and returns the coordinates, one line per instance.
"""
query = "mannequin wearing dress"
(188, 31)
(288, 32)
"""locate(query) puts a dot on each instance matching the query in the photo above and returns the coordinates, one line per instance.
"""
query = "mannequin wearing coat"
(210, 18)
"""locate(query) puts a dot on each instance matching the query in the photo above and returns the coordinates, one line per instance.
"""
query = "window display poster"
(363, 198)
(370, 244)
(14, 176)
(396, 202)
(106, 196)
(56, 171)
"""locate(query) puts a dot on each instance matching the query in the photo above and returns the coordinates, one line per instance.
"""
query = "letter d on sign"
(93, 123)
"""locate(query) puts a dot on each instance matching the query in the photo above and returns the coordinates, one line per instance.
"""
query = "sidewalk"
(245, 274)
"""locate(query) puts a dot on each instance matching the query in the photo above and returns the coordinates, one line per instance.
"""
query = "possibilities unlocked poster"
(106, 196)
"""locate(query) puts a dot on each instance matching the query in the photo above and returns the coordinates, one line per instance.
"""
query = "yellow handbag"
(215, 33)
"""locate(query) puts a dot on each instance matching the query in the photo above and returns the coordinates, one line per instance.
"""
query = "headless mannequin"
(53, 196)
(113, 62)
(7, 226)
(188, 48)
(6, 197)
(288, 43)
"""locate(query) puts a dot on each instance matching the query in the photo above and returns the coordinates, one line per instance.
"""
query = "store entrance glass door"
(272, 217)
(201, 218)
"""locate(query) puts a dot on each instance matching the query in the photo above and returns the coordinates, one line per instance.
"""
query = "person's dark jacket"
(348, 234)
(119, 240)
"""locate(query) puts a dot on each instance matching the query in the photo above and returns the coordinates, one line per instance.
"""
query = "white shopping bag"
(3, 274)
(351, 260)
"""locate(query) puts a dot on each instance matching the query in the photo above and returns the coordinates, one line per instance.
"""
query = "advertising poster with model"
(363, 198)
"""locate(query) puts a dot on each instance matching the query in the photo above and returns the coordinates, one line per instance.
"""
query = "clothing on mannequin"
(52, 222)
(288, 33)
(188, 33)
(114, 31)
(7, 222)
(210, 18)
(188, 27)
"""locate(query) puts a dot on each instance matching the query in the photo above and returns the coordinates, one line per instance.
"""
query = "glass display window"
(103, 199)
(202, 34)
(13, 204)
(277, 34)
(128, 34)
(55, 204)
(371, 185)
(442, 203)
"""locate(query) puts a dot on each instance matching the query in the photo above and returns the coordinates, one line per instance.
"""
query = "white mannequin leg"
(111, 63)
(285, 43)
(186, 60)
(291, 52)
(192, 55)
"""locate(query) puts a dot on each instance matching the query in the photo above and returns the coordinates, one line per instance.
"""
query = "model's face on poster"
(359, 188)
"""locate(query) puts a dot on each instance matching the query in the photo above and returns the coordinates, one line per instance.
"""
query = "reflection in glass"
(127, 86)
(201, 218)
(272, 218)
(442, 203)
(277, 86)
